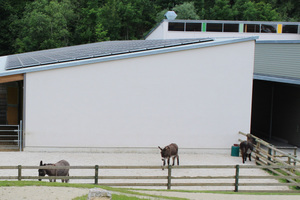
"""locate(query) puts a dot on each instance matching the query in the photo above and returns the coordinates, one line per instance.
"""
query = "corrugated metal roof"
(93, 50)
(278, 60)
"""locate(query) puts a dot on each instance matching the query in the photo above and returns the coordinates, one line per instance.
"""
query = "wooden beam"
(12, 78)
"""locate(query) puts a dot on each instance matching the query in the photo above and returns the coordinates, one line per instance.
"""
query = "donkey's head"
(165, 152)
(251, 139)
(42, 172)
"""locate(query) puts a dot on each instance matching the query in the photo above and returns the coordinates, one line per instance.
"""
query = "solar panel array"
(93, 50)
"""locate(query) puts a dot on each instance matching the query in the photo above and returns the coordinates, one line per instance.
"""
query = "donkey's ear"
(41, 163)
(159, 148)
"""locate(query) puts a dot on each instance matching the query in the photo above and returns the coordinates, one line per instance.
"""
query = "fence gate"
(11, 137)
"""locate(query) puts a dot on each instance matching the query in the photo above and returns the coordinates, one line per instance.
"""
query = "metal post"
(169, 176)
(19, 172)
(295, 155)
(270, 154)
(237, 172)
(271, 113)
(96, 174)
(21, 135)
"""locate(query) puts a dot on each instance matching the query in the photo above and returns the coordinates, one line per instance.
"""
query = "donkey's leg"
(177, 159)
(173, 160)
(67, 180)
(164, 163)
(243, 157)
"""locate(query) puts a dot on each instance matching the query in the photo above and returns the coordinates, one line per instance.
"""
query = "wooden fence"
(268, 154)
(169, 180)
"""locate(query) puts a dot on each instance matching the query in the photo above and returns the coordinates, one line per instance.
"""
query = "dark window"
(173, 26)
(193, 26)
(251, 28)
(289, 28)
(214, 27)
(265, 28)
(231, 27)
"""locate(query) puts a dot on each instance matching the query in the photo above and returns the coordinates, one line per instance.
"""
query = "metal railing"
(16, 135)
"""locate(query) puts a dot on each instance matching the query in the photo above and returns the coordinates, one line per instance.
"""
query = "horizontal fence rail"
(168, 180)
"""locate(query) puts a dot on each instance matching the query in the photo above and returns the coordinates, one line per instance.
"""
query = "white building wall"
(196, 98)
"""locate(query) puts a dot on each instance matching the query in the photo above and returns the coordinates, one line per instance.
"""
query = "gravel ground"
(153, 159)
(38, 193)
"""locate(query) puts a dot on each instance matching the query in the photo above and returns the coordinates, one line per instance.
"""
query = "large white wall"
(197, 98)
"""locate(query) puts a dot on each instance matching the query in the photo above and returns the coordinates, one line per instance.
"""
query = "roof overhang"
(11, 78)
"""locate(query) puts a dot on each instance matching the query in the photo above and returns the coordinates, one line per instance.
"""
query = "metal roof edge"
(278, 42)
(128, 55)
(233, 21)
(265, 77)
(154, 28)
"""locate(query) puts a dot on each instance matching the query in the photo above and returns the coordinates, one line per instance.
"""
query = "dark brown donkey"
(247, 147)
(169, 151)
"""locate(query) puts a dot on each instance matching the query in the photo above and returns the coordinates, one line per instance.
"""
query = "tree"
(245, 10)
(169, 4)
(186, 11)
(289, 10)
(127, 19)
(45, 24)
(251, 11)
(87, 27)
(10, 10)
(266, 12)
(221, 10)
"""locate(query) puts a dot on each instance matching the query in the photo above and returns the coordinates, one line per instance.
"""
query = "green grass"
(121, 196)
(127, 193)
(285, 180)
(114, 196)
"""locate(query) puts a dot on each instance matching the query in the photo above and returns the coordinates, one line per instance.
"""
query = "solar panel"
(87, 51)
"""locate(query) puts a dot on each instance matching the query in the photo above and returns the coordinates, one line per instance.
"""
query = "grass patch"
(221, 192)
(122, 196)
(285, 180)
(114, 196)
(128, 193)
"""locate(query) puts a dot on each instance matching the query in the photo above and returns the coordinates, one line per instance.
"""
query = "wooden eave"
(11, 78)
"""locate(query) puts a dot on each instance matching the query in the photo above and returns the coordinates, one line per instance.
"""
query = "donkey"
(55, 172)
(247, 148)
(169, 151)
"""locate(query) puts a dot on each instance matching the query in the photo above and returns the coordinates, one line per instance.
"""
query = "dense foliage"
(31, 25)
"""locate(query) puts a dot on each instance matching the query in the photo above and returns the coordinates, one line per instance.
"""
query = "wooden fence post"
(257, 152)
(169, 176)
(19, 172)
(96, 174)
(237, 172)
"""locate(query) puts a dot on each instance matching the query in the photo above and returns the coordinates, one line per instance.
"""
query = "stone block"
(99, 194)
